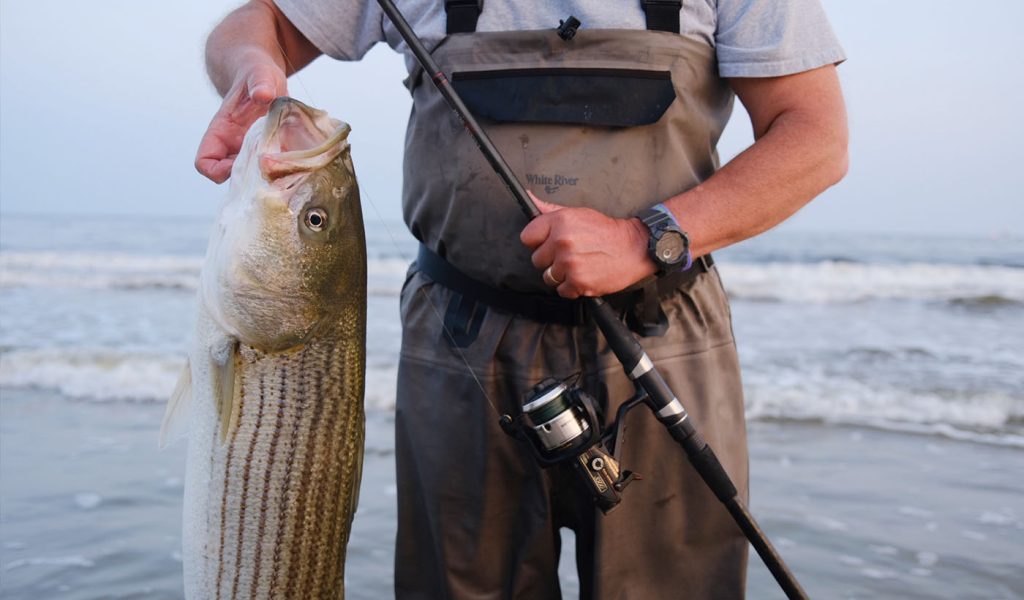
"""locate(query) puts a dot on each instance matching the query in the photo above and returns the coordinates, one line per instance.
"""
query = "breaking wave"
(106, 376)
(834, 282)
(101, 270)
(966, 286)
(93, 374)
(118, 271)
(991, 417)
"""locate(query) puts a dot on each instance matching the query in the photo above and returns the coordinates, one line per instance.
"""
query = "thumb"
(543, 206)
(265, 84)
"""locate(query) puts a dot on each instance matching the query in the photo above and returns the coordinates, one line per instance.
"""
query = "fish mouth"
(299, 139)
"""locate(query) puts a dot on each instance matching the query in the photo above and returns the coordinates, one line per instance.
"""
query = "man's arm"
(800, 149)
(248, 57)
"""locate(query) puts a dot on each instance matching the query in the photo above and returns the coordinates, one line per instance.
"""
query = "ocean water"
(884, 380)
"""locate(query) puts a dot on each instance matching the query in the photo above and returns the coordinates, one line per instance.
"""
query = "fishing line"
(437, 312)
(394, 242)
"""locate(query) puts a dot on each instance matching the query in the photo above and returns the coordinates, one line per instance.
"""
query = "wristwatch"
(669, 246)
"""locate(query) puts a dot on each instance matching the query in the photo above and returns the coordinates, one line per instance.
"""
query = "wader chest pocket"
(604, 97)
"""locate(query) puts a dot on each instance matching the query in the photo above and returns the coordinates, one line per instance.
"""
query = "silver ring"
(549, 278)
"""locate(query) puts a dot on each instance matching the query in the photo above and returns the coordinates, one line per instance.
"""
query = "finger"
(221, 143)
(553, 272)
(544, 206)
(543, 256)
(549, 279)
(568, 290)
(535, 232)
(265, 84)
(215, 170)
(213, 158)
(243, 113)
(262, 93)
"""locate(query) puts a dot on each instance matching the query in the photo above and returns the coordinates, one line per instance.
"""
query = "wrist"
(640, 237)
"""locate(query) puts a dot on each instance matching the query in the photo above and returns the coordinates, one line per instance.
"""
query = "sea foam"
(98, 270)
(993, 418)
(56, 561)
(116, 271)
(93, 374)
(105, 375)
(970, 286)
(833, 282)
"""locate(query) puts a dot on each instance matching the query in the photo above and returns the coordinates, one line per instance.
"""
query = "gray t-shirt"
(752, 38)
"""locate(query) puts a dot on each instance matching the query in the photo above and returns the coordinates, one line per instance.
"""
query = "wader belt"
(662, 15)
(641, 302)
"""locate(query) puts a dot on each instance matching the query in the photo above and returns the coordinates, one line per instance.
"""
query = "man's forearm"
(254, 33)
(800, 151)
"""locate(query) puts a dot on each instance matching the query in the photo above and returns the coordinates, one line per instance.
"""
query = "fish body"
(274, 388)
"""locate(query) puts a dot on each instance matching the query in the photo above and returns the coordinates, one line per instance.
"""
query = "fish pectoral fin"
(175, 423)
(225, 390)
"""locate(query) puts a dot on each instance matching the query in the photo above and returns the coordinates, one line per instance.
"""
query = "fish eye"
(316, 219)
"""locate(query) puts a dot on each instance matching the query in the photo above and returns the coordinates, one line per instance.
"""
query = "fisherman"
(614, 130)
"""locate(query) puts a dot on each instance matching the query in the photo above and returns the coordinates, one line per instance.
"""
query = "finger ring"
(550, 279)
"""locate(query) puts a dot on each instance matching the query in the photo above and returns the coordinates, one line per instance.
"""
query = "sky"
(102, 105)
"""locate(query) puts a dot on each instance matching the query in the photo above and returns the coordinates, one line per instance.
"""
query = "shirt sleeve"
(769, 38)
(341, 29)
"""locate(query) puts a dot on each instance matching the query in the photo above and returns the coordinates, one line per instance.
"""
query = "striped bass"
(273, 392)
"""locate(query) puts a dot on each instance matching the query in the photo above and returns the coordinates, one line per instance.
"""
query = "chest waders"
(561, 112)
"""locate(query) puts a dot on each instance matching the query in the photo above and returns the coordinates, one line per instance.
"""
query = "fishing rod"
(654, 391)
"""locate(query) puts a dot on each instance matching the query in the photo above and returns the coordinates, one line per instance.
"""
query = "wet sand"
(90, 508)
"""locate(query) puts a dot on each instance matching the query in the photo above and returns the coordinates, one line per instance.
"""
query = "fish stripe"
(267, 475)
(207, 551)
(343, 472)
(345, 487)
(246, 474)
(326, 545)
(293, 442)
(240, 386)
(296, 575)
(312, 548)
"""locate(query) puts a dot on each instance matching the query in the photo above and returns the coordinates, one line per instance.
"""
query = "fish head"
(288, 258)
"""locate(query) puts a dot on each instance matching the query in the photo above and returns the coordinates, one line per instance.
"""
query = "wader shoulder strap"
(662, 15)
(462, 15)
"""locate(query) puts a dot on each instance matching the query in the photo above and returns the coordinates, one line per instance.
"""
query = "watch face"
(671, 247)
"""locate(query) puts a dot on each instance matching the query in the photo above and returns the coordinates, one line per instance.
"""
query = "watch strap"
(657, 217)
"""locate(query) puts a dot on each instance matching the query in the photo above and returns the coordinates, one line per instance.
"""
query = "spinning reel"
(560, 423)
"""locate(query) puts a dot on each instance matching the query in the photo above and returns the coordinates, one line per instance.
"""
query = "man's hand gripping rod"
(637, 364)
